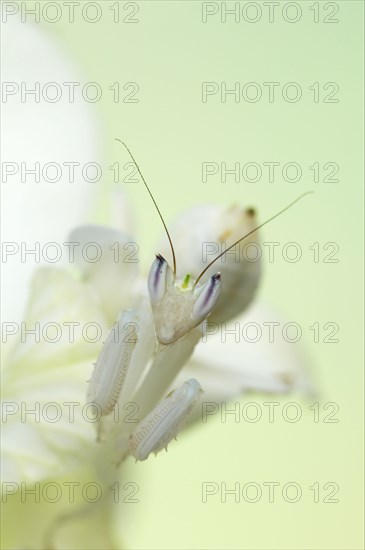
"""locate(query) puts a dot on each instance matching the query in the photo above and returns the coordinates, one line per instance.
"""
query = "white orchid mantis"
(150, 374)
(140, 367)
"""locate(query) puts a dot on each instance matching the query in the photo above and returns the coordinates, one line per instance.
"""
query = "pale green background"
(169, 53)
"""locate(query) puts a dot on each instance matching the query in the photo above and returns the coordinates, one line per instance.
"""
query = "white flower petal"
(53, 439)
(42, 132)
(38, 372)
(67, 326)
(108, 260)
(228, 369)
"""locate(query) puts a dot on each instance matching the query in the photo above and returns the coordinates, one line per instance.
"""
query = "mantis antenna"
(154, 202)
(250, 233)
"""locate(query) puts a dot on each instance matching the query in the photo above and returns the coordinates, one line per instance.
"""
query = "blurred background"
(150, 60)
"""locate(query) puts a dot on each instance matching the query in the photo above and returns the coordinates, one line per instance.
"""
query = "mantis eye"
(207, 298)
(159, 278)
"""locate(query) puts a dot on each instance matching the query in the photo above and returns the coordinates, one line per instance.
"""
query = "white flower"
(35, 374)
